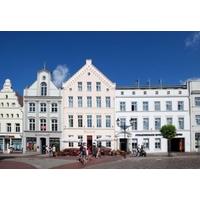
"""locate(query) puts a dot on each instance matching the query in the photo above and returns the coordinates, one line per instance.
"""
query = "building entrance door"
(178, 145)
(7, 144)
(123, 144)
(43, 145)
(89, 141)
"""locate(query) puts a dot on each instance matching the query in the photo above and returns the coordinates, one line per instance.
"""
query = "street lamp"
(124, 127)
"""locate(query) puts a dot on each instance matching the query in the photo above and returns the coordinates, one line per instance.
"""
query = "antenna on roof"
(138, 83)
(160, 83)
(149, 83)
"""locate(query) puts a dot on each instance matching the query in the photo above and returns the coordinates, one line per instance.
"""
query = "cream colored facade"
(11, 116)
(88, 109)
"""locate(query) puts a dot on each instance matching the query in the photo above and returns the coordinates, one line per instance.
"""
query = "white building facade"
(11, 119)
(42, 114)
(150, 108)
(88, 109)
(194, 92)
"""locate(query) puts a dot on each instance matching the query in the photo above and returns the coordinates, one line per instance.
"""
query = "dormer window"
(43, 89)
(44, 78)
(6, 96)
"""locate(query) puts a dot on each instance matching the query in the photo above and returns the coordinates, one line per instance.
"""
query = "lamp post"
(124, 127)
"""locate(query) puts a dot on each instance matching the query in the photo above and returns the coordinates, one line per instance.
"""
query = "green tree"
(168, 132)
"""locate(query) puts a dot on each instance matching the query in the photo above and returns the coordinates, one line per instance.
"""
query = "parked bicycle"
(139, 152)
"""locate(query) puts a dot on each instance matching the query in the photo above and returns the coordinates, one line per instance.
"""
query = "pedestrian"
(54, 151)
(47, 149)
(98, 154)
(94, 150)
(50, 151)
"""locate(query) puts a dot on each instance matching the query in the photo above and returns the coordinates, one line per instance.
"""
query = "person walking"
(54, 151)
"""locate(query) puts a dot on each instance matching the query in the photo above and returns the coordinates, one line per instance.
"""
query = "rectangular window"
(80, 86)
(134, 143)
(43, 107)
(54, 107)
(108, 121)
(70, 102)
(98, 86)
(43, 125)
(98, 118)
(98, 100)
(157, 105)
(181, 123)
(122, 122)
(157, 143)
(80, 140)
(89, 86)
(8, 127)
(134, 127)
(157, 123)
(31, 107)
(168, 105)
(80, 121)
(146, 123)
(180, 105)
(80, 102)
(146, 143)
(54, 125)
(108, 143)
(122, 106)
(31, 124)
(71, 144)
(134, 106)
(71, 121)
(89, 102)
(197, 117)
(89, 121)
(17, 128)
(108, 104)
(145, 106)
(197, 101)
(169, 121)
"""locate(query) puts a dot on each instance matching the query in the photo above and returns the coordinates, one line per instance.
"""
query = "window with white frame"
(197, 117)
(169, 121)
(54, 107)
(181, 123)
(89, 86)
(31, 107)
(43, 107)
(89, 102)
(80, 86)
(98, 118)
(134, 143)
(98, 86)
(108, 121)
(71, 121)
(168, 105)
(31, 124)
(145, 123)
(98, 101)
(43, 124)
(157, 123)
(89, 121)
(70, 102)
(180, 105)
(122, 122)
(17, 127)
(157, 143)
(54, 125)
(71, 144)
(146, 143)
(43, 89)
(108, 143)
(133, 106)
(157, 105)
(145, 106)
(80, 121)
(197, 101)
(122, 106)
(80, 102)
(9, 127)
(80, 140)
(108, 104)
(134, 125)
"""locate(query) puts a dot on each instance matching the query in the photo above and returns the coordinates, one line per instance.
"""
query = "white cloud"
(193, 40)
(60, 74)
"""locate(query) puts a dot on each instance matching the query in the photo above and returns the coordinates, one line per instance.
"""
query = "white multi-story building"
(194, 92)
(150, 108)
(11, 115)
(42, 113)
(89, 109)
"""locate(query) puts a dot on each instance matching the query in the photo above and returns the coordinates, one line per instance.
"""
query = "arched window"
(43, 89)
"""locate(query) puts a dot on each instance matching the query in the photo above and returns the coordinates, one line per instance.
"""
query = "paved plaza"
(180, 161)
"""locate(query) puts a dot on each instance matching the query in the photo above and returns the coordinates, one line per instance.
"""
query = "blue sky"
(123, 57)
